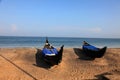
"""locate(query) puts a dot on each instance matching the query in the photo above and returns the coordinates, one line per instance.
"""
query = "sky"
(60, 18)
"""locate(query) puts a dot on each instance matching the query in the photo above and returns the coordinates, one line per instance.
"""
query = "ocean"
(68, 42)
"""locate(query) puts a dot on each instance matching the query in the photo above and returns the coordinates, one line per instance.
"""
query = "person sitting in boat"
(47, 45)
(85, 43)
(49, 50)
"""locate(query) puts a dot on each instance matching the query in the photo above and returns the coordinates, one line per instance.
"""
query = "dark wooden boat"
(51, 55)
(92, 51)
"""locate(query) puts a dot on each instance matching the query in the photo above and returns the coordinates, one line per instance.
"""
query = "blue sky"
(60, 18)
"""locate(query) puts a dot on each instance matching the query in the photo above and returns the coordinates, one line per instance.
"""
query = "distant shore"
(20, 63)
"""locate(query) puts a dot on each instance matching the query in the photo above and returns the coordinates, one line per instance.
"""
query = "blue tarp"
(49, 51)
(90, 47)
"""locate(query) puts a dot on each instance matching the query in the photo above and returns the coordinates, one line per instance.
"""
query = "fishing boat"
(92, 51)
(51, 55)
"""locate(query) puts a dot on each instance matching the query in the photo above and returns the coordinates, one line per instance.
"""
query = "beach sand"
(20, 64)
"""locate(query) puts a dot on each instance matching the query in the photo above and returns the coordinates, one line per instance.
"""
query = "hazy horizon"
(59, 37)
(60, 18)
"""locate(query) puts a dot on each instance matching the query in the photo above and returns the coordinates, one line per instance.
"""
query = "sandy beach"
(20, 64)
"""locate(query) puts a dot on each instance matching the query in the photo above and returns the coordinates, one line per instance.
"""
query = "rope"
(18, 67)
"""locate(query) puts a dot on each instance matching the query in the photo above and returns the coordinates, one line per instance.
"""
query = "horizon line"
(57, 36)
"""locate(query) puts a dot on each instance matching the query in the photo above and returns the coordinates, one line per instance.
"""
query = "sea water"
(68, 42)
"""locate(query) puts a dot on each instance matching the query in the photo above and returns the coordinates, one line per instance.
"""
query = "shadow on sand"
(39, 60)
(79, 52)
(102, 76)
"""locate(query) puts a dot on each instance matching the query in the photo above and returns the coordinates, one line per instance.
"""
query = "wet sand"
(20, 64)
